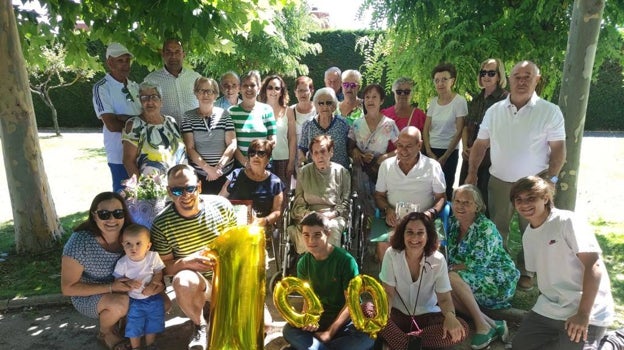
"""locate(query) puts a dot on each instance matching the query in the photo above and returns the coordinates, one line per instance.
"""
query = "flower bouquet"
(145, 197)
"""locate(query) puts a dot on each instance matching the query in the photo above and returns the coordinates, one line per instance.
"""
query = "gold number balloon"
(367, 284)
(238, 289)
(313, 311)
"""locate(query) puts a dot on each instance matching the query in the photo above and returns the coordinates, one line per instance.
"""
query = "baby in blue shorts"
(142, 267)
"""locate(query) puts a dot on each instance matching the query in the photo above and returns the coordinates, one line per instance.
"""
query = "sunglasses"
(276, 88)
(125, 91)
(253, 152)
(403, 92)
(178, 191)
(106, 214)
(325, 103)
(489, 73)
(145, 98)
(350, 85)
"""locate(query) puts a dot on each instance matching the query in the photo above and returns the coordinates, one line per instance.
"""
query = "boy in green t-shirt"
(329, 270)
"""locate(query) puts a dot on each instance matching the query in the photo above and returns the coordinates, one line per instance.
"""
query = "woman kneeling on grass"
(87, 266)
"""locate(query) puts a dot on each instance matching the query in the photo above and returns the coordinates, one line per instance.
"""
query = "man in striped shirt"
(179, 233)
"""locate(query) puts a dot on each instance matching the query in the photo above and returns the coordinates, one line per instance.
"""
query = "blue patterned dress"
(490, 272)
(98, 264)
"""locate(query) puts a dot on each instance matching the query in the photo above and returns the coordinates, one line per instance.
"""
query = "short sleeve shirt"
(261, 193)
(443, 120)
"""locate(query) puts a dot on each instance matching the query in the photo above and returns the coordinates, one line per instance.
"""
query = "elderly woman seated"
(482, 274)
(323, 187)
(254, 182)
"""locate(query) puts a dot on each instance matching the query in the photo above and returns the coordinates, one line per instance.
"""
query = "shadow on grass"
(90, 153)
(32, 274)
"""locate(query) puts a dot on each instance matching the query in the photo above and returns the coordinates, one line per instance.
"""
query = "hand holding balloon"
(308, 320)
(366, 284)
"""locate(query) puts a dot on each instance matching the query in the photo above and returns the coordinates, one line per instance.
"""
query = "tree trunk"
(48, 101)
(577, 73)
(34, 215)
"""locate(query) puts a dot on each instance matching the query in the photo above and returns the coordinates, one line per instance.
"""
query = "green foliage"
(605, 108)
(276, 49)
(422, 34)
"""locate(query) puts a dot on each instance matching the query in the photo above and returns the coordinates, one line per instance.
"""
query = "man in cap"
(176, 81)
(115, 99)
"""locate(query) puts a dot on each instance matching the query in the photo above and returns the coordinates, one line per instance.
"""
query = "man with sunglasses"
(179, 233)
(115, 99)
(176, 81)
(526, 136)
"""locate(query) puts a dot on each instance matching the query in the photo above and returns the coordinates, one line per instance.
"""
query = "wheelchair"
(352, 239)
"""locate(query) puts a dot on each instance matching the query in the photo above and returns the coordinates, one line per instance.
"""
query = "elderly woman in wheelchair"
(323, 187)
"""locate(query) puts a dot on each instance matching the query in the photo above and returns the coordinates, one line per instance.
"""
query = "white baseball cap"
(116, 50)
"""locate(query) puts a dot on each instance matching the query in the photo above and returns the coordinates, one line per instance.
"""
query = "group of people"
(251, 146)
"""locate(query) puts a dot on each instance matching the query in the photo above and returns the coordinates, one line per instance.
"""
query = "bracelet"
(110, 288)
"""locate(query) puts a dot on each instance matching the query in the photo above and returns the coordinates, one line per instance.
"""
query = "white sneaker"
(199, 338)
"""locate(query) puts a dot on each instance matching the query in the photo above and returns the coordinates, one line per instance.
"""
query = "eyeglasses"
(441, 80)
(206, 92)
(253, 152)
(303, 91)
(489, 73)
(248, 86)
(129, 97)
(457, 203)
(325, 103)
(276, 88)
(178, 191)
(402, 92)
(350, 85)
(145, 98)
(106, 214)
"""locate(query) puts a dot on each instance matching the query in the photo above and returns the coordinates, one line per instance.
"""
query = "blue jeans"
(539, 332)
(118, 172)
(347, 338)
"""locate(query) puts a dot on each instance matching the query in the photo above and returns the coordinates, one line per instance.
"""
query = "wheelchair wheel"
(273, 281)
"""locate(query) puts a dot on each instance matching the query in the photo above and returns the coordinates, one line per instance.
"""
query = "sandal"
(117, 344)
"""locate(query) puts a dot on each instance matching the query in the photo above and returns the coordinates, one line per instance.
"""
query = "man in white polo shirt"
(526, 136)
(175, 81)
(409, 177)
(115, 99)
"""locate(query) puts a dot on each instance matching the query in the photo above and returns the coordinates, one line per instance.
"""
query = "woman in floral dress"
(482, 274)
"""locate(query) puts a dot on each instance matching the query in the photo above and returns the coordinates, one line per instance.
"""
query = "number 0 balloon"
(367, 284)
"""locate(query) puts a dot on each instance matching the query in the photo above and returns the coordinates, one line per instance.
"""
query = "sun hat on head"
(116, 50)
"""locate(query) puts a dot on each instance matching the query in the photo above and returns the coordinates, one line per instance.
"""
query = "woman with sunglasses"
(444, 123)
(151, 140)
(369, 140)
(403, 112)
(325, 123)
(87, 266)
(351, 107)
(256, 183)
(209, 137)
(492, 82)
(252, 119)
(275, 94)
(415, 278)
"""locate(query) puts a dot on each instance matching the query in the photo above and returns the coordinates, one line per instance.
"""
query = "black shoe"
(199, 338)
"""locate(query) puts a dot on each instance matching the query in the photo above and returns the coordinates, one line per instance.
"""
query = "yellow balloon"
(367, 284)
(314, 308)
(238, 289)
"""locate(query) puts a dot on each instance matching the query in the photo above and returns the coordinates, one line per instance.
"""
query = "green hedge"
(75, 108)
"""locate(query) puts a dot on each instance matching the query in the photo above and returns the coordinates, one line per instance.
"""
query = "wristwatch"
(554, 179)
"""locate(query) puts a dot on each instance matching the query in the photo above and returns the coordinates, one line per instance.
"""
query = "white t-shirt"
(300, 119)
(139, 270)
(281, 151)
(419, 186)
(550, 250)
(519, 138)
(443, 120)
(432, 279)
(178, 95)
(108, 97)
